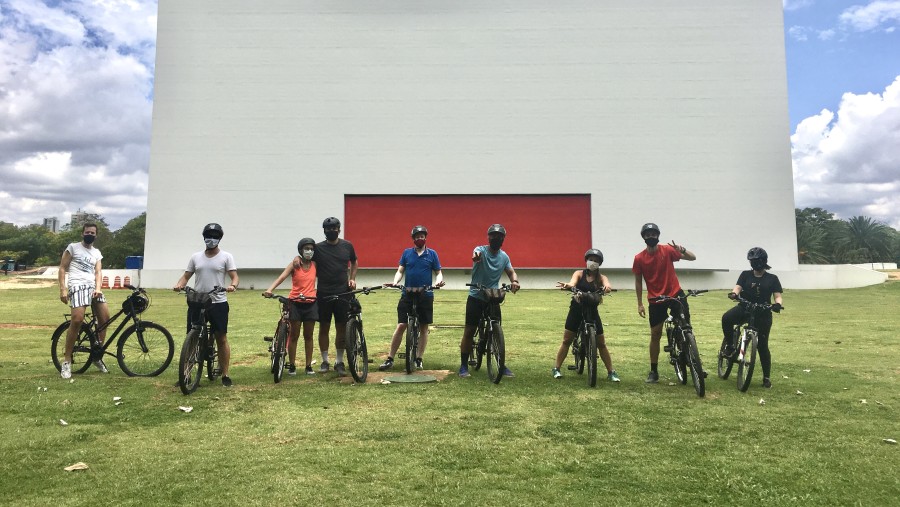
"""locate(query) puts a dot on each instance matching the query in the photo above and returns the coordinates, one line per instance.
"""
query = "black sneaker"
(652, 378)
(292, 369)
(226, 381)
(767, 383)
(386, 365)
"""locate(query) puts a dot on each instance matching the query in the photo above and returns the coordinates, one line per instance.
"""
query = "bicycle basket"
(199, 300)
(354, 306)
(494, 295)
(136, 303)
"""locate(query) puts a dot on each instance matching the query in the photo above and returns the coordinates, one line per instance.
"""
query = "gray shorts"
(83, 295)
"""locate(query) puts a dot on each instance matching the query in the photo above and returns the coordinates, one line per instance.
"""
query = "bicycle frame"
(415, 295)
(681, 343)
(99, 349)
(357, 353)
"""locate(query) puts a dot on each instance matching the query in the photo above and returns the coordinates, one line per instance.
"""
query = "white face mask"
(211, 243)
(593, 265)
(308, 254)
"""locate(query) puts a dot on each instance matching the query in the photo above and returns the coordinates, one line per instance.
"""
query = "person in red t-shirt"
(655, 266)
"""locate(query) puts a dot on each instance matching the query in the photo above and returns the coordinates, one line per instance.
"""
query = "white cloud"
(846, 162)
(826, 34)
(799, 33)
(793, 5)
(874, 15)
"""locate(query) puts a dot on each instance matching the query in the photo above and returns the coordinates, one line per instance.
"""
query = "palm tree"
(811, 245)
(865, 240)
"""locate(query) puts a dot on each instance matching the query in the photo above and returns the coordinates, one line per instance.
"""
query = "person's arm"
(438, 278)
(354, 267)
(778, 298)
(513, 279)
(639, 291)
(572, 283)
(98, 279)
(284, 274)
(685, 253)
(63, 268)
(607, 287)
(398, 275)
(182, 282)
(234, 281)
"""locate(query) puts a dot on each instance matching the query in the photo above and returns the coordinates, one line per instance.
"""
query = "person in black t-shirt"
(757, 286)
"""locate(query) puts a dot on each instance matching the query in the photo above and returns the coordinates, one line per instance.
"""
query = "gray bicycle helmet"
(331, 222)
(594, 252)
(305, 241)
(649, 226)
(213, 230)
(417, 229)
(497, 228)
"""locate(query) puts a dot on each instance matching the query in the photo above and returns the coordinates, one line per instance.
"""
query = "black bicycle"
(415, 295)
(278, 349)
(489, 339)
(682, 345)
(585, 346)
(355, 339)
(741, 348)
(199, 348)
(144, 350)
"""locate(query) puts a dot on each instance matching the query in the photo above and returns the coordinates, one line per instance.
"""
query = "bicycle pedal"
(571, 367)
(267, 338)
(667, 348)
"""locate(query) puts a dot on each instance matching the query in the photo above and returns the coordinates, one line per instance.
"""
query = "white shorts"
(82, 295)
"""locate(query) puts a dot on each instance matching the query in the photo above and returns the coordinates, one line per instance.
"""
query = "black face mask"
(88, 239)
(331, 235)
(495, 243)
(758, 264)
(651, 242)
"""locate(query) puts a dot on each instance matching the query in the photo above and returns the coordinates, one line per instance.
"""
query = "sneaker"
(767, 383)
(652, 378)
(507, 372)
(419, 363)
(386, 365)
(100, 365)
(65, 371)
(556, 373)
(612, 377)
(339, 369)
(292, 370)
(464, 371)
(324, 367)
(309, 370)
(226, 381)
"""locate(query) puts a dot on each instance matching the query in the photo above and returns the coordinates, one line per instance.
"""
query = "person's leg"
(733, 317)
(563, 351)
(101, 310)
(72, 333)
(224, 352)
(604, 353)
(309, 328)
(397, 338)
(423, 339)
(473, 313)
(325, 313)
(293, 337)
(764, 324)
(426, 317)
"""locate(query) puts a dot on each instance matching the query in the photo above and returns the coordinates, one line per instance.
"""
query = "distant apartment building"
(51, 224)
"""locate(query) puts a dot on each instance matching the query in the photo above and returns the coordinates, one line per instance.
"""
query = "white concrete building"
(571, 122)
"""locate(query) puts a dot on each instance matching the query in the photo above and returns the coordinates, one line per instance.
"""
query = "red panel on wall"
(543, 231)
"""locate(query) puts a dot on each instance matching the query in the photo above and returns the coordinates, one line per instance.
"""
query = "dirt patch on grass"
(25, 283)
(23, 326)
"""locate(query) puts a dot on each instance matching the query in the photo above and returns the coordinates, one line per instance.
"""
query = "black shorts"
(304, 312)
(659, 312)
(337, 308)
(573, 319)
(217, 315)
(474, 308)
(424, 309)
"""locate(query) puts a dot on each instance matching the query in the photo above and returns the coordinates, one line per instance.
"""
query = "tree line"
(821, 239)
(35, 245)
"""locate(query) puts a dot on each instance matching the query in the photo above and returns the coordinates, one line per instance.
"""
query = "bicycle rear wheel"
(693, 357)
(145, 350)
(746, 363)
(725, 363)
(357, 352)
(481, 338)
(212, 358)
(279, 350)
(412, 343)
(590, 338)
(81, 351)
(676, 354)
(190, 363)
(496, 354)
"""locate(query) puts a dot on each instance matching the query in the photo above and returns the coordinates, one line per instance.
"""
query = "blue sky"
(76, 88)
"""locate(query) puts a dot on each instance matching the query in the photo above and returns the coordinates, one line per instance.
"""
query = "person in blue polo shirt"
(418, 263)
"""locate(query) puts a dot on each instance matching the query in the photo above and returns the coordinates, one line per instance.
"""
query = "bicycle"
(355, 339)
(280, 339)
(145, 348)
(415, 295)
(585, 347)
(682, 345)
(199, 346)
(741, 349)
(488, 339)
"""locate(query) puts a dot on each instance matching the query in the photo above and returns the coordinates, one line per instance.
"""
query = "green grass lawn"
(529, 440)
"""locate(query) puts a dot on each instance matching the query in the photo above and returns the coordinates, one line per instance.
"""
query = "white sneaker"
(100, 366)
(66, 370)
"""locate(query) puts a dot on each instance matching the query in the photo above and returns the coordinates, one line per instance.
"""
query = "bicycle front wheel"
(81, 351)
(496, 354)
(725, 363)
(357, 352)
(746, 363)
(279, 349)
(693, 357)
(578, 350)
(590, 338)
(212, 358)
(190, 363)
(412, 344)
(145, 350)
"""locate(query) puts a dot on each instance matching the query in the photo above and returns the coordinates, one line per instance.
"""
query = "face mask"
(419, 243)
(308, 254)
(651, 242)
(593, 265)
(331, 235)
(88, 239)
(211, 243)
(757, 264)
(495, 243)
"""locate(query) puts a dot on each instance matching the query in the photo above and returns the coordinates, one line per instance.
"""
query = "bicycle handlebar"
(404, 288)
(285, 300)
(689, 293)
(215, 290)
(364, 290)
(504, 287)
(752, 306)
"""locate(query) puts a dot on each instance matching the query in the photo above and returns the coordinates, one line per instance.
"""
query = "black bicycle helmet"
(497, 228)
(649, 226)
(331, 222)
(213, 231)
(758, 258)
(417, 229)
(305, 241)
(594, 252)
